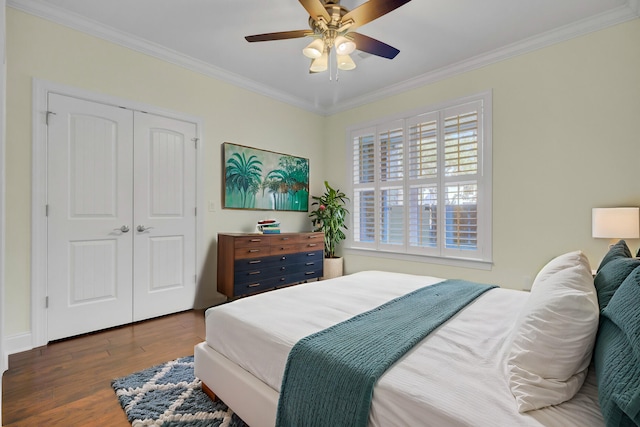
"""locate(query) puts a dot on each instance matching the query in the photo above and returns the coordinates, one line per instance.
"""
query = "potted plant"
(329, 217)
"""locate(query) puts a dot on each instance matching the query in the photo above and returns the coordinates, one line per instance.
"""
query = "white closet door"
(90, 232)
(164, 216)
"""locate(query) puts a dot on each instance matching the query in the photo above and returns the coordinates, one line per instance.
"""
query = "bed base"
(254, 401)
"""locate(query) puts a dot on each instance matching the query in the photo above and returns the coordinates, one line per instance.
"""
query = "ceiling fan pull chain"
(330, 65)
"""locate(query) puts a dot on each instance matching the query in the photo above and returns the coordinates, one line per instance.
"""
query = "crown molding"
(629, 11)
(625, 13)
(94, 28)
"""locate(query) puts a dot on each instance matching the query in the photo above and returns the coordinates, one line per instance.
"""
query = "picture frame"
(258, 179)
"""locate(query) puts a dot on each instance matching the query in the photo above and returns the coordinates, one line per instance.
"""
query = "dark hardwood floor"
(68, 383)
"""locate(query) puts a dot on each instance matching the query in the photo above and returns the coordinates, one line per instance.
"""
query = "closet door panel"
(89, 268)
(165, 215)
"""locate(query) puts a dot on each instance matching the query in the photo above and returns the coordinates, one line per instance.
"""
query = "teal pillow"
(619, 250)
(617, 355)
(616, 265)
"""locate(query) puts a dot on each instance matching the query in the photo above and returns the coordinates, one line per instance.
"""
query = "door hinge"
(46, 210)
(195, 141)
(46, 302)
(47, 114)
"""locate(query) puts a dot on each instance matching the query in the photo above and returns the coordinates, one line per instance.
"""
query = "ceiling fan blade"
(373, 46)
(371, 10)
(282, 35)
(315, 8)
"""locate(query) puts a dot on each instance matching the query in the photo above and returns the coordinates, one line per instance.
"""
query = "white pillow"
(554, 335)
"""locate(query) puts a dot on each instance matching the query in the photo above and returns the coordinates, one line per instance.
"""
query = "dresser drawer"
(311, 255)
(241, 264)
(307, 274)
(288, 248)
(251, 252)
(260, 273)
(312, 238)
(312, 245)
(310, 263)
(284, 239)
(241, 289)
(251, 240)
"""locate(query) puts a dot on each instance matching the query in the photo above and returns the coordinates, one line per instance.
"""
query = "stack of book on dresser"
(269, 226)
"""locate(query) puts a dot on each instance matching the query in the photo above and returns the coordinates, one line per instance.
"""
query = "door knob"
(142, 228)
(124, 229)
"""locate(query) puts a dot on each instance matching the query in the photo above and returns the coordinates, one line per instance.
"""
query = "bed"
(467, 372)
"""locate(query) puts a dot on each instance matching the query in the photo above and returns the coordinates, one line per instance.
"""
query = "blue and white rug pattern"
(169, 395)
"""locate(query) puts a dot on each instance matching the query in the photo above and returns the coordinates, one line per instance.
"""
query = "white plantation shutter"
(461, 144)
(364, 208)
(461, 130)
(461, 216)
(423, 147)
(423, 217)
(391, 167)
(421, 185)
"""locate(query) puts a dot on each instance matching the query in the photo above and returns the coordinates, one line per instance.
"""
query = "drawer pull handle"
(282, 279)
(310, 263)
(311, 254)
(283, 258)
(255, 240)
(254, 285)
(309, 273)
(313, 236)
(312, 245)
(253, 273)
(253, 250)
(283, 268)
(255, 261)
(285, 238)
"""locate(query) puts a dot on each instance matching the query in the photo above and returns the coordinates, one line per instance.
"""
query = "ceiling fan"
(332, 27)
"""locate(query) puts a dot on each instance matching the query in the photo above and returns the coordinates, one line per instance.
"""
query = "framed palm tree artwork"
(264, 180)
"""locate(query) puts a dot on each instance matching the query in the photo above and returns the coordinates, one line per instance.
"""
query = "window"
(421, 183)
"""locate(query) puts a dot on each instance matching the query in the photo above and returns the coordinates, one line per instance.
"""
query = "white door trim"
(39, 191)
(3, 84)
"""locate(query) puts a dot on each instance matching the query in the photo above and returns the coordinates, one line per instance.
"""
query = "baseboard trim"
(18, 343)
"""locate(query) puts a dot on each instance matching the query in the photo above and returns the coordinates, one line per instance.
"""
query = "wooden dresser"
(251, 263)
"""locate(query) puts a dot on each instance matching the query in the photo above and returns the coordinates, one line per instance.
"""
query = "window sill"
(453, 262)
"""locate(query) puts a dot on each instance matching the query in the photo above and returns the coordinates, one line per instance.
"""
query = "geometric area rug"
(169, 395)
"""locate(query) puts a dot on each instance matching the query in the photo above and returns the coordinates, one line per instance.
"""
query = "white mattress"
(454, 377)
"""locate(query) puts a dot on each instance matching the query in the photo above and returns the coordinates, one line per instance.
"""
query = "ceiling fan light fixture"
(345, 63)
(344, 46)
(314, 49)
(320, 64)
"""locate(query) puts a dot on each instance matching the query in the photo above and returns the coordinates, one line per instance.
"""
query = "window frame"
(482, 258)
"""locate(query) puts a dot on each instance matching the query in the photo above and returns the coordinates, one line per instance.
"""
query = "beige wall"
(40, 49)
(565, 140)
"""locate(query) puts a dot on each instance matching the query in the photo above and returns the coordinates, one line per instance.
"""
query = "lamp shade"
(344, 46)
(615, 223)
(345, 62)
(320, 64)
(314, 49)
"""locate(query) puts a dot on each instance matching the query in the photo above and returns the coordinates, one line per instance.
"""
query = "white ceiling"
(436, 38)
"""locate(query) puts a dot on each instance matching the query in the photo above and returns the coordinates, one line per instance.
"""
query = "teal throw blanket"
(330, 375)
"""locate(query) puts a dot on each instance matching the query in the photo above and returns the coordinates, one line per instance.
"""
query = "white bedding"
(455, 377)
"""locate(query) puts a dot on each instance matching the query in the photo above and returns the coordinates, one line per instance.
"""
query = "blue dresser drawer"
(252, 287)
